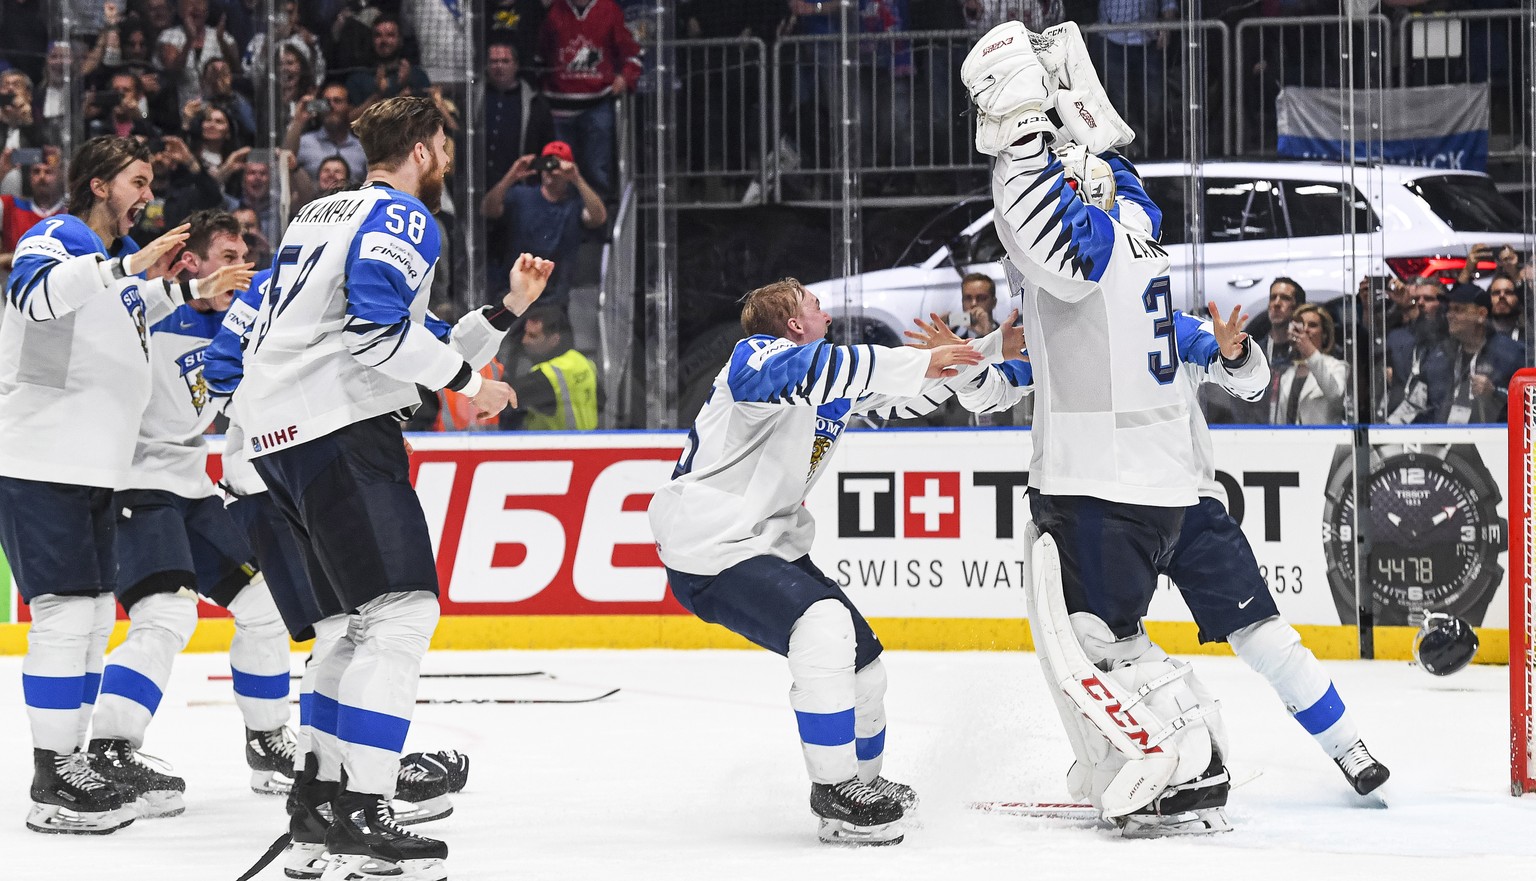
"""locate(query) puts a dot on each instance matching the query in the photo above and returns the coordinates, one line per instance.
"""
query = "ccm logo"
(998, 45)
(1116, 711)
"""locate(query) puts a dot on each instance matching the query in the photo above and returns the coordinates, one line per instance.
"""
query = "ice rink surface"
(693, 773)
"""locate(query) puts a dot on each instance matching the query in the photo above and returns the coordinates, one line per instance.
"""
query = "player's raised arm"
(224, 359)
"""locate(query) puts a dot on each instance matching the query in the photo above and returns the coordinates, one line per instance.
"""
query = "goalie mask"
(1444, 644)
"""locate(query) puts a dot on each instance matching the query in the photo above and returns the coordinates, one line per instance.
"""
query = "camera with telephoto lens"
(317, 107)
(546, 163)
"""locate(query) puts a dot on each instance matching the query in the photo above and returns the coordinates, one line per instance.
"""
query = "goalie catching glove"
(1008, 86)
(1078, 109)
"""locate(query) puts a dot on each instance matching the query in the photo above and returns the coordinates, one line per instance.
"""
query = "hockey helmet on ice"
(1444, 644)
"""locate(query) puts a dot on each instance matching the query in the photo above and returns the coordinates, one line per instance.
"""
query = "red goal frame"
(1522, 544)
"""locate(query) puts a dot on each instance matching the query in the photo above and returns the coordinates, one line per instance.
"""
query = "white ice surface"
(693, 773)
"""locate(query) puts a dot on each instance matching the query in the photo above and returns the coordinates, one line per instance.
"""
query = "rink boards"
(542, 540)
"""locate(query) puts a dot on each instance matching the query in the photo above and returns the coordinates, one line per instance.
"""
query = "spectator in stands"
(160, 15)
(55, 100)
(218, 89)
(1312, 386)
(1132, 66)
(24, 34)
(440, 41)
(1506, 308)
(1408, 348)
(182, 51)
(181, 187)
(118, 110)
(590, 59)
(332, 137)
(1511, 267)
(1473, 366)
(292, 34)
(256, 192)
(258, 248)
(18, 126)
(389, 72)
(1272, 330)
(517, 117)
(42, 196)
(978, 305)
(213, 139)
(159, 103)
(1037, 15)
(559, 393)
(545, 220)
(333, 174)
(517, 22)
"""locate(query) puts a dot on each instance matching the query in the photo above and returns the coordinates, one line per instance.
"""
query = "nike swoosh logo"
(1244, 603)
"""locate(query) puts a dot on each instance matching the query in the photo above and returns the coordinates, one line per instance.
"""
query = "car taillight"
(1446, 269)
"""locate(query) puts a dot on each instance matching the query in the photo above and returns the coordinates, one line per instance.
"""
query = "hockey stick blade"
(515, 700)
(225, 677)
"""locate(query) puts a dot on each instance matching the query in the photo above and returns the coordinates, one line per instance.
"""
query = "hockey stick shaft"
(503, 700)
(225, 677)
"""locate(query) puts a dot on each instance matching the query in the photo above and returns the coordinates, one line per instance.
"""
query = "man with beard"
(42, 197)
(75, 341)
(340, 344)
(1506, 312)
(1409, 387)
(332, 138)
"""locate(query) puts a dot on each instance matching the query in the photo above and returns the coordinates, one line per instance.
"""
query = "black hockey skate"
(365, 843)
(853, 813)
(903, 794)
(308, 803)
(270, 757)
(69, 797)
(1194, 807)
(450, 763)
(154, 792)
(1361, 769)
(421, 794)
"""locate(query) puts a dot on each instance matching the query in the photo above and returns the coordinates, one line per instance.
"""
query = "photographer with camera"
(18, 127)
(181, 187)
(333, 136)
(546, 220)
(119, 110)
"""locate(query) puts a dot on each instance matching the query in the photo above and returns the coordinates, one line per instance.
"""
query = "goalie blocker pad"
(1134, 724)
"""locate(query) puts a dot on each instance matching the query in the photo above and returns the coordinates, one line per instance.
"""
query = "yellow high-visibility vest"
(573, 376)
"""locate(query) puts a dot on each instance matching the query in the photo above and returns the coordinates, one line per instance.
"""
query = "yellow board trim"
(474, 632)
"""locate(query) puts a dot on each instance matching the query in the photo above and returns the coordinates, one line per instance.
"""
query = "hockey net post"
(1522, 548)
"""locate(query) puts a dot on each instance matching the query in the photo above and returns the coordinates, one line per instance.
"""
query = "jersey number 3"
(1163, 366)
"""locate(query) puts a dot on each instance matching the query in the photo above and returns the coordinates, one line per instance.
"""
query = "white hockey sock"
(378, 689)
(328, 634)
(821, 658)
(869, 718)
(133, 682)
(328, 671)
(53, 672)
(105, 615)
(1273, 649)
(258, 657)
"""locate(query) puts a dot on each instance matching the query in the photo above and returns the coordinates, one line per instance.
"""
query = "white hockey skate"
(1202, 822)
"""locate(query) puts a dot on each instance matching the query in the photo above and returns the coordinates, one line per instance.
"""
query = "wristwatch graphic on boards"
(1435, 530)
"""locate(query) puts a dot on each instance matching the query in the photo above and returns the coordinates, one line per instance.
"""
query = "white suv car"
(1262, 220)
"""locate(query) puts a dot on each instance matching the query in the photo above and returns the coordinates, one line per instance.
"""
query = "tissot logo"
(930, 504)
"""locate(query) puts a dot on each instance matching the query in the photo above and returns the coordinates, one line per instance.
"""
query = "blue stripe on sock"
(826, 729)
(1320, 716)
(306, 709)
(125, 682)
(52, 692)
(870, 747)
(322, 715)
(367, 728)
(274, 687)
(92, 688)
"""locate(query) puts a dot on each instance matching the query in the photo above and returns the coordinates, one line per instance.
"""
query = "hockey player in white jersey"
(735, 537)
(74, 380)
(175, 542)
(342, 340)
(1113, 466)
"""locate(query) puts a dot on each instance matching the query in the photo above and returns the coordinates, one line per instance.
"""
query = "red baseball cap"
(560, 149)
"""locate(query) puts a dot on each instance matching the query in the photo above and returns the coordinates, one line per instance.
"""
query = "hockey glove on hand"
(1009, 87)
(1091, 176)
(1079, 108)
